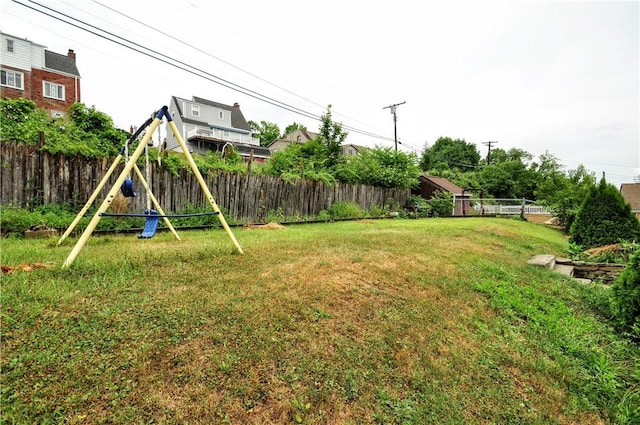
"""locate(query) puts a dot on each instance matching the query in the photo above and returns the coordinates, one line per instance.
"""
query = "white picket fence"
(483, 206)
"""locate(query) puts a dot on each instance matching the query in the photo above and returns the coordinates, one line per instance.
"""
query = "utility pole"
(489, 153)
(395, 130)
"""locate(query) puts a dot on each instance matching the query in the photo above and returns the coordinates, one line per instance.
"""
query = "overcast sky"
(557, 77)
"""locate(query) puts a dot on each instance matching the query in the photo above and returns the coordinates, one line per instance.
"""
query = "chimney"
(72, 54)
(235, 105)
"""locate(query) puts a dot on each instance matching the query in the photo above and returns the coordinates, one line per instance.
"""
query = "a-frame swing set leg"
(163, 113)
(92, 198)
(102, 183)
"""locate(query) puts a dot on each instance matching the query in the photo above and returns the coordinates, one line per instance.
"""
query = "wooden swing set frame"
(131, 166)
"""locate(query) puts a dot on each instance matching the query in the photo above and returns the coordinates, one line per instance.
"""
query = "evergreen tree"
(604, 218)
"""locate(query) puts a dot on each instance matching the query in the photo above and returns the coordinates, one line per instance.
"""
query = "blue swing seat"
(127, 188)
(150, 225)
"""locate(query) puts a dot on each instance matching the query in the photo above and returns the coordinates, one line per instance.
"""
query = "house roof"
(62, 63)
(288, 138)
(357, 148)
(310, 135)
(631, 193)
(237, 118)
(443, 184)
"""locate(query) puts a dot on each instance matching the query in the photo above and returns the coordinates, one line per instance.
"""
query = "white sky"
(562, 77)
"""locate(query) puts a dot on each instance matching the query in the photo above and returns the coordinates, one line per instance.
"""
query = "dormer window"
(195, 110)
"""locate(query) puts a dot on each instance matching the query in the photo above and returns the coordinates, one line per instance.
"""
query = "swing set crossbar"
(159, 215)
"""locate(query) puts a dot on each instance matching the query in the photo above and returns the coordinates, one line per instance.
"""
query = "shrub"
(345, 210)
(418, 205)
(626, 297)
(441, 205)
(604, 218)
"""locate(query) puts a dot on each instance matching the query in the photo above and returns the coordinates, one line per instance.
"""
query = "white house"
(206, 125)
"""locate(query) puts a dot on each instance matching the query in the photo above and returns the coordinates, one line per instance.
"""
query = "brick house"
(30, 71)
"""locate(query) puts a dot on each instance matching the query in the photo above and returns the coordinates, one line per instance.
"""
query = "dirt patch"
(26, 267)
(613, 248)
(540, 219)
(264, 226)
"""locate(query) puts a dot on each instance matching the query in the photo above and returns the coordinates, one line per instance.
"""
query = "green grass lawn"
(435, 321)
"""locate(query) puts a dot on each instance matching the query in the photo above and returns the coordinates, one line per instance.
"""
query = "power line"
(178, 64)
(206, 53)
(136, 47)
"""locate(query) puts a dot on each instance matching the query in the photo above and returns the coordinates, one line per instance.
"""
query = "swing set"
(124, 184)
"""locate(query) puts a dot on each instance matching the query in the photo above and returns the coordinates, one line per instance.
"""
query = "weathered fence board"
(29, 177)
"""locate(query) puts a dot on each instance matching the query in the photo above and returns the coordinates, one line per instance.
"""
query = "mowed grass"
(436, 321)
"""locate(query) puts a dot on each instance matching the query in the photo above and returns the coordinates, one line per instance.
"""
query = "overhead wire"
(168, 60)
(136, 47)
(357, 130)
(183, 66)
(206, 53)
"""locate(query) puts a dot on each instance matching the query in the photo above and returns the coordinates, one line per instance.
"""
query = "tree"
(499, 180)
(293, 127)
(604, 218)
(84, 131)
(455, 153)
(91, 123)
(563, 194)
(383, 167)
(331, 136)
(21, 121)
(266, 131)
(510, 174)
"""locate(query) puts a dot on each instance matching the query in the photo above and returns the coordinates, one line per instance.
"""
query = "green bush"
(626, 297)
(345, 210)
(377, 211)
(441, 204)
(418, 206)
(604, 218)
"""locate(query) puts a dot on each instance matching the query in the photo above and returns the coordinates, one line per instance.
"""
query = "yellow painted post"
(203, 184)
(112, 193)
(92, 198)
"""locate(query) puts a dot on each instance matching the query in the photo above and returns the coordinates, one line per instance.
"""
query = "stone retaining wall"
(601, 272)
(605, 273)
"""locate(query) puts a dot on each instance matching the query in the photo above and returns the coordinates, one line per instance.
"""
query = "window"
(54, 91)
(195, 110)
(11, 79)
(9, 45)
(221, 115)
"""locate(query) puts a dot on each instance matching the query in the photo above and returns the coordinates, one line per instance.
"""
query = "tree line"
(512, 173)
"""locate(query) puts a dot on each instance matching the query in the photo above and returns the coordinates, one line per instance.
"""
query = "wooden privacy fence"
(30, 177)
